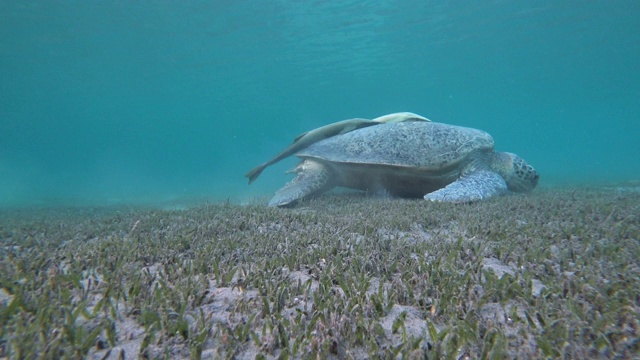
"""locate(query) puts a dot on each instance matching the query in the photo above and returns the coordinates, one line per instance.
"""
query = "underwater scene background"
(120, 101)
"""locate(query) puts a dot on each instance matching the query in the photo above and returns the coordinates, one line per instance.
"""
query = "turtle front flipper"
(474, 186)
(312, 178)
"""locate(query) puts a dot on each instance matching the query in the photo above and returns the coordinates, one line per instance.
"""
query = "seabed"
(554, 273)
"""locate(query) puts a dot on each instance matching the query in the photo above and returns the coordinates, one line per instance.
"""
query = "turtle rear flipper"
(475, 186)
(312, 178)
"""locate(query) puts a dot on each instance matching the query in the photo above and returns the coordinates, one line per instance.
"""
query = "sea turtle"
(437, 161)
(312, 136)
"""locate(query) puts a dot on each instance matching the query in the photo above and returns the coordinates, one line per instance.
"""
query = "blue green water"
(107, 101)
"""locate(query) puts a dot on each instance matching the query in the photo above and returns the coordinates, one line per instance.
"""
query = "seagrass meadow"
(551, 274)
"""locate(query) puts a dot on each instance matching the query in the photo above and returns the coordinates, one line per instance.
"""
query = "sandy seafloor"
(549, 274)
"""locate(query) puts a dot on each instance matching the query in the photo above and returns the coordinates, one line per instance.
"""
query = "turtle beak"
(534, 178)
(527, 183)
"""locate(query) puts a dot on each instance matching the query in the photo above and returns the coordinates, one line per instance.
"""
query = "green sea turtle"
(307, 138)
(439, 162)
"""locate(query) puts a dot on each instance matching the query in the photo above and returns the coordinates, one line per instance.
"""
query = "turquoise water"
(122, 101)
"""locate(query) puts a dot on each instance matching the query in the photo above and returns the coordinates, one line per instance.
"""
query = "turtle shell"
(428, 146)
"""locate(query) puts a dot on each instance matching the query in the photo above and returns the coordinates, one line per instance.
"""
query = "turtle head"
(519, 175)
